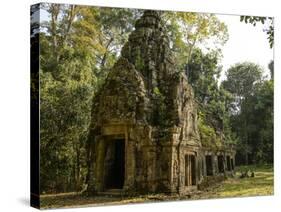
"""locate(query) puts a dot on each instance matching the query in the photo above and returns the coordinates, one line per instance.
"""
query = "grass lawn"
(260, 185)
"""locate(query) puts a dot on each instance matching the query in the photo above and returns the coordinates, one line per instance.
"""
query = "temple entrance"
(190, 170)
(232, 164)
(114, 164)
(221, 163)
(228, 163)
(209, 165)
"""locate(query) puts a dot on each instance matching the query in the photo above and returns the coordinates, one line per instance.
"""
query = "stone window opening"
(209, 165)
(228, 163)
(190, 170)
(221, 163)
(232, 164)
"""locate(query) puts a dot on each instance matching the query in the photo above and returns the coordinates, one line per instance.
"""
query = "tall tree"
(240, 81)
(252, 114)
(78, 45)
(190, 30)
(203, 74)
(271, 68)
(115, 25)
(66, 90)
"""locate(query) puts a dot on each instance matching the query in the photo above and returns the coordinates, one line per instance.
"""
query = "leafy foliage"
(241, 80)
(189, 31)
(252, 119)
(203, 74)
(264, 20)
(78, 45)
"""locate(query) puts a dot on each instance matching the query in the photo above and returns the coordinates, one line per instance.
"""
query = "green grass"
(260, 185)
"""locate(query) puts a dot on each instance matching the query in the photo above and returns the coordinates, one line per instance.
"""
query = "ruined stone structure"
(144, 135)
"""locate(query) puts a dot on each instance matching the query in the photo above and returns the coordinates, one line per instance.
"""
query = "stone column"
(130, 163)
(99, 172)
(175, 170)
(215, 164)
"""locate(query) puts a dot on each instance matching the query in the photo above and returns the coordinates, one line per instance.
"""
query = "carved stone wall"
(149, 104)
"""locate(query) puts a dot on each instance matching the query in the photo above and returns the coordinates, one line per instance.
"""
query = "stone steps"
(111, 192)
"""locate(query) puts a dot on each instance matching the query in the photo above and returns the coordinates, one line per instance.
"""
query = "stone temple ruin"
(144, 136)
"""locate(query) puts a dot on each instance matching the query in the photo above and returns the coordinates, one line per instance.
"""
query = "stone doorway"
(221, 163)
(114, 164)
(232, 164)
(190, 170)
(228, 163)
(209, 165)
